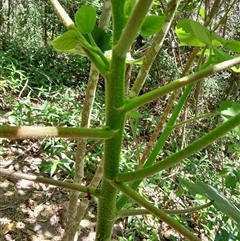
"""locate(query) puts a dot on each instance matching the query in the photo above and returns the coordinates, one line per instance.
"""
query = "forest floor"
(29, 210)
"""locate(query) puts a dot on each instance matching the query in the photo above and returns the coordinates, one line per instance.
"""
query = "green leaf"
(66, 41)
(128, 8)
(220, 201)
(186, 34)
(64, 165)
(85, 19)
(45, 166)
(221, 55)
(192, 33)
(231, 181)
(53, 168)
(228, 109)
(152, 25)
(201, 33)
(237, 173)
(232, 45)
(202, 13)
(134, 114)
(101, 38)
(77, 50)
(129, 58)
(223, 172)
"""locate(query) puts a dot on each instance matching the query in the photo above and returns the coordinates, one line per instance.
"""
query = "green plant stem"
(194, 119)
(177, 84)
(160, 143)
(115, 119)
(118, 19)
(153, 50)
(50, 181)
(135, 212)
(43, 132)
(155, 211)
(186, 152)
(130, 32)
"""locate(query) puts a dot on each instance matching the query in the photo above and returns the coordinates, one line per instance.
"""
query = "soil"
(28, 210)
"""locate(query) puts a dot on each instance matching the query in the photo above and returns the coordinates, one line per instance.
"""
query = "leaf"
(221, 55)
(232, 45)
(101, 38)
(53, 168)
(129, 58)
(202, 13)
(45, 166)
(66, 168)
(228, 109)
(134, 114)
(152, 25)
(128, 8)
(231, 181)
(10, 227)
(66, 41)
(186, 34)
(220, 201)
(85, 19)
(192, 33)
(237, 173)
(201, 33)
(76, 50)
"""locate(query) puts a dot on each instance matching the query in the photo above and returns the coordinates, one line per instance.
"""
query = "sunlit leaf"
(152, 25)
(66, 41)
(186, 34)
(128, 8)
(85, 19)
(202, 13)
(228, 109)
(53, 168)
(129, 58)
(192, 33)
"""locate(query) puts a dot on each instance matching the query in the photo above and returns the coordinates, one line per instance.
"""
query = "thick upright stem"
(115, 120)
(114, 99)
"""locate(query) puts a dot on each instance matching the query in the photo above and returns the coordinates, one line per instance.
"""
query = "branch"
(155, 211)
(49, 181)
(184, 153)
(67, 21)
(133, 25)
(127, 213)
(153, 50)
(177, 84)
(22, 132)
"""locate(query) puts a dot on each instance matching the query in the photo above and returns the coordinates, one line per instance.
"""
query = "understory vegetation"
(40, 86)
